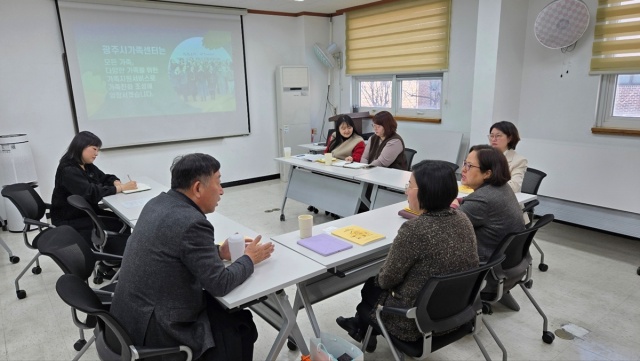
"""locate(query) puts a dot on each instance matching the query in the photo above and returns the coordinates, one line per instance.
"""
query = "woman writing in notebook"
(76, 174)
(439, 241)
(345, 142)
(385, 148)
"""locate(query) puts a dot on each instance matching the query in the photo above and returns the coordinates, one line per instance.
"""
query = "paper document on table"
(353, 165)
(309, 157)
(357, 235)
(141, 187)
(321, 160)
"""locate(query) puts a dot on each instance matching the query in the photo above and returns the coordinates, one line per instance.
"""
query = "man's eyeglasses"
(495, 136)
(406, 187)
(466, 166)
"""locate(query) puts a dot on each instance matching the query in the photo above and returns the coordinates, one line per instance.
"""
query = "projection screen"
(146, 72)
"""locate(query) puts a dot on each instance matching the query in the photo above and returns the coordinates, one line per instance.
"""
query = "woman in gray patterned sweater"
(440, 241)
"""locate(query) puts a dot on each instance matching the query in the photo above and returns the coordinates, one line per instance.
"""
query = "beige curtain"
(616, 43)
(405, 36)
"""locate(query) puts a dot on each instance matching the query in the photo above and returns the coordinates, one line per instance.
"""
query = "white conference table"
(347, 268)
(314, 148)
(284, 268)
(397, 179)
(334, 189)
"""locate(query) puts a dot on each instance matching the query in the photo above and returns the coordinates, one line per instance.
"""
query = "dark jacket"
(433, 244)
(90, 183)
(170, 258)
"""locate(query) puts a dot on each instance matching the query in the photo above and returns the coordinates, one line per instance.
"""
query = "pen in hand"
(129, 178)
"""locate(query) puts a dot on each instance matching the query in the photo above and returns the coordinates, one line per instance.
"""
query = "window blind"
(406, 36)
(616, 43)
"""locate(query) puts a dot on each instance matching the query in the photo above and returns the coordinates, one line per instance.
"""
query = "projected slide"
(146, 75)
(157, 73)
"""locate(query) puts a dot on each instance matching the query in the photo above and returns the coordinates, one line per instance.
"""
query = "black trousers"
(233, 332)
(370, 294)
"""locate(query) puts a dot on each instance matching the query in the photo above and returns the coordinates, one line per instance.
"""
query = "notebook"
(407, 213)
(465, 189)
(324, 244)
(354, 165)
(141, 187)
(357, 235)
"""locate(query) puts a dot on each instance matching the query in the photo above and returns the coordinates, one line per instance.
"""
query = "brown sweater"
(432, 244)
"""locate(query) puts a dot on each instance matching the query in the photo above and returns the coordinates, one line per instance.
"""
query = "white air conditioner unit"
(293, 107)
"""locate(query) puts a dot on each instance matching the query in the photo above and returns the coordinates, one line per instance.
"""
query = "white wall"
(34, 100)
(555, 119)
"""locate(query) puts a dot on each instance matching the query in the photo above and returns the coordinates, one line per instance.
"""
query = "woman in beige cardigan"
(345, 143)
(504, 137)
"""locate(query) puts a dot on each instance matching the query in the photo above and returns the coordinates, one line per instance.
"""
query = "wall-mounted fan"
(561, 23)
(330, 57)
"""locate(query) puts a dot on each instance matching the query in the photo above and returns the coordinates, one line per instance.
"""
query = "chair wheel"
(548, 337)
(282, 218)
(543, 267)
(36, 270)
(292, 345)
(79, 345)
(326, 213)
(486, 309)
(21, 294)
(14, 259)
(529, 284)
(97, 280)
(310, 208)
(638, 271)
(315, 210)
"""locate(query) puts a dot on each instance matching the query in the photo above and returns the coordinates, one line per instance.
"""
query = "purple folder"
(324, 244)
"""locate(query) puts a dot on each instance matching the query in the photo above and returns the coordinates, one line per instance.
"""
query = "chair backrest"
(366, 136)
(26, 199)
(68, 250)
(329, 132)
(408, 154)
(515, 249)
(446, 302)
(112, 341)
(532, 180)
(99, 235)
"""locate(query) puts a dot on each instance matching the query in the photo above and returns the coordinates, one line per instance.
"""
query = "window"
(408, 96)
(619, 103)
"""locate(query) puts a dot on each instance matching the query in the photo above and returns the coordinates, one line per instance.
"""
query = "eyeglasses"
(495, 136)
(466, 166)
(406, 187)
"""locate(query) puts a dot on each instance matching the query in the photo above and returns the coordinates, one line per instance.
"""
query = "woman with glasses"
(504, 137)
(385, 148)
(492, 208)
(439, 241)
(345, 142)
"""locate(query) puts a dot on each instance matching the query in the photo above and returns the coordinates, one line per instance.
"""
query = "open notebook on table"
(141, 187)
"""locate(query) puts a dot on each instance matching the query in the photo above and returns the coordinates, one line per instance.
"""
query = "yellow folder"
(465, 189)
(357, 235)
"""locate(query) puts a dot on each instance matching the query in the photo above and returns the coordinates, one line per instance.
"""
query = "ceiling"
(288, 6)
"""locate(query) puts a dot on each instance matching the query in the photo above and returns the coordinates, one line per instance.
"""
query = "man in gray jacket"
(172, 268)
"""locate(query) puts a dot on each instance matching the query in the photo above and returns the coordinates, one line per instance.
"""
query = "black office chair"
(366, 136)
(514, 270)
(447, 309)
(103, 240)
(530, 184)
(71, 253)
(32, 208)
(408, 154)
(112, 341)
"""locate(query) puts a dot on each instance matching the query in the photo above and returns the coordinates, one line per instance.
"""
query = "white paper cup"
(305, 222)
(236, 246)
(287, 152)
(328, 158)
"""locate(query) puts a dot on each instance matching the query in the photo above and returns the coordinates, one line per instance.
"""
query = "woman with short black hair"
(492, 208)
(438, 242)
